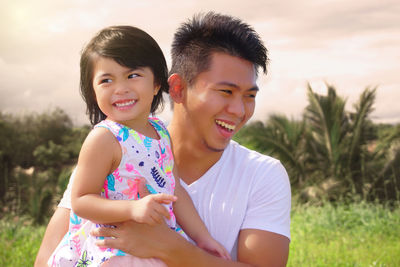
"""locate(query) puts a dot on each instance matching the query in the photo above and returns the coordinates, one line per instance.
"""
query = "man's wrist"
(175, 252)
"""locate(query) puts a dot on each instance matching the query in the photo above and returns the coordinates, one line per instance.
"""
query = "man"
(242, 196)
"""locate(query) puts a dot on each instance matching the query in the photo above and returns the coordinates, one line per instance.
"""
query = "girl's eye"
(105, 81)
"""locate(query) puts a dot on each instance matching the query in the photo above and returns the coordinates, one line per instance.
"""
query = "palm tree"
(335, 152)
(361, 133)
(281, 138)
(327, 125)
(386, 158)
(338, 140)
(285, 140)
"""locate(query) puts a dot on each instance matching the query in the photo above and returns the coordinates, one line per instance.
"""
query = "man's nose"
(236, 106)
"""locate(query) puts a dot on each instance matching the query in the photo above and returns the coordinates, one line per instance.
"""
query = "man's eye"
(133, 75)
(229, 92)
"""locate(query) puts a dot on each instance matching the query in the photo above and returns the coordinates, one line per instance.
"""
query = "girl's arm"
(100, 155)
(190, 221)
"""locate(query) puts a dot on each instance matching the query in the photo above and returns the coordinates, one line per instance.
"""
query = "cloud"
(348, 44)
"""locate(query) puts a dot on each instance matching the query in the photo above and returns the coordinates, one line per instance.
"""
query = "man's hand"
(130, 236)
(134, 238)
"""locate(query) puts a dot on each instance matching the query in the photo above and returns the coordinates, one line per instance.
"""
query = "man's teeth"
(124, 104)
(226, 125)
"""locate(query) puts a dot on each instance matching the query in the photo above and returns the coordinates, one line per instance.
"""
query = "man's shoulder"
(237, 151)
(256, 165)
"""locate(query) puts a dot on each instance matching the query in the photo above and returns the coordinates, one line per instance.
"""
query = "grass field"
(352, 235)
(19, 243)
(346, 235)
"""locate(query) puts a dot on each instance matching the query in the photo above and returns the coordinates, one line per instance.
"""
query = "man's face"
(221, 100)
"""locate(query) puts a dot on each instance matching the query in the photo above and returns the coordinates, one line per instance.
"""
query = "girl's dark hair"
(196, 40)
(129, 47)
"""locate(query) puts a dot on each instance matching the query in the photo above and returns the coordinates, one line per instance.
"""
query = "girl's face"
(123, 94)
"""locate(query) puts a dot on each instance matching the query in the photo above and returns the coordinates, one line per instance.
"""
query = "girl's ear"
(176, 87)
(156, 89)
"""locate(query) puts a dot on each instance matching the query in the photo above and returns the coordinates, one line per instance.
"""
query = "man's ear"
(176, 87)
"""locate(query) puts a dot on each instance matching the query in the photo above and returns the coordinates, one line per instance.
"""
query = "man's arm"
(255, 247)
(56, 229)
(262, 248)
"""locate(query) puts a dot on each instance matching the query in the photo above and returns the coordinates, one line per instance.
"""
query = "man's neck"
(192, 157)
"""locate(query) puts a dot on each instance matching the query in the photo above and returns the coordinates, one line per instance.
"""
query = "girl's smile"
(124, 104)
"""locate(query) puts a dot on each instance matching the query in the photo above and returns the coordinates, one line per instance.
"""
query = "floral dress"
(142, 156)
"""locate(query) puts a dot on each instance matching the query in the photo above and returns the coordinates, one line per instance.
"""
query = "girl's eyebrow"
(101, 76)
(135, 69)
(105, 74)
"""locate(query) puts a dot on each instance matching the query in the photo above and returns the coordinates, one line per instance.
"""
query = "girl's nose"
(122, 88)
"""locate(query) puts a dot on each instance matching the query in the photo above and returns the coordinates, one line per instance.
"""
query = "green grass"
(19, 242)
(347, 235)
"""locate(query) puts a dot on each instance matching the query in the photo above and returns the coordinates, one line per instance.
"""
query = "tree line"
(331, 154)
(37, 154)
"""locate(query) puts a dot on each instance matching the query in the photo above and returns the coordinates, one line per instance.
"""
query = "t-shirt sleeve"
(270, 201)
(65, 202)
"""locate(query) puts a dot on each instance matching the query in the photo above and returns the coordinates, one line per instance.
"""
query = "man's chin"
(215, 148)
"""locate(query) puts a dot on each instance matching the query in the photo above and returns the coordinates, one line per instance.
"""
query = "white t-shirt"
(243, 190)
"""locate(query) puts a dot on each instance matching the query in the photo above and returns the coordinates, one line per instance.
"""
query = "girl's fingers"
(160, 212)
(227, 255)
(142, 189)
(164, 198)
(165, 212)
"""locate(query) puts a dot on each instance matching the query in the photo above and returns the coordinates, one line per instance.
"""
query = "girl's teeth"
(125, 103)
(225, 125)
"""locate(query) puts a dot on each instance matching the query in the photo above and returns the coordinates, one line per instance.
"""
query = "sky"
(351, 45)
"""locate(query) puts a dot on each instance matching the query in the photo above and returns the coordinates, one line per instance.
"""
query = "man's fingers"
(107, 243)
(104, 232)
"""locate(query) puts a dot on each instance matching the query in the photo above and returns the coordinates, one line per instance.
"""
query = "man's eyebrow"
(255, 88)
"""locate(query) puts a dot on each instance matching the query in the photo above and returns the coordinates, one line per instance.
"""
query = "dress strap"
(160, 128)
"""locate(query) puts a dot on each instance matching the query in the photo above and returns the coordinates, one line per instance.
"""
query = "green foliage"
(333, 154)
(37, 152)
(327, 124)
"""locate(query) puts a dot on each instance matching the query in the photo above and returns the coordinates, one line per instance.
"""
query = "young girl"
(123, 76)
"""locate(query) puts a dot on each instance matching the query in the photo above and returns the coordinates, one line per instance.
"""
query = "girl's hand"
(150, 209)
(212, 246)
